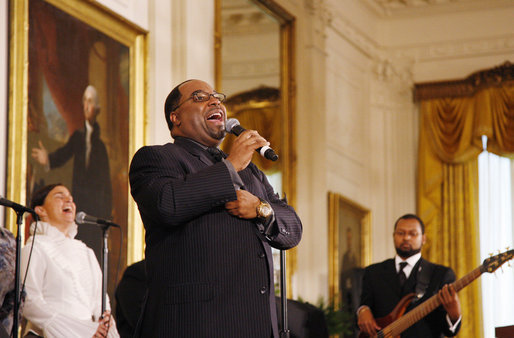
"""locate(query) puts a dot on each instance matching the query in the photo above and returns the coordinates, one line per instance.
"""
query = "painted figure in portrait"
(350, 256)
(78, 119)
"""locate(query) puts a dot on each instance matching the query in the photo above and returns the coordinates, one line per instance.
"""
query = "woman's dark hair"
(38, 197)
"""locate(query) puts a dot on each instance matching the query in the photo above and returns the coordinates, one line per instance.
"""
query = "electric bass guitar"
(395, 322)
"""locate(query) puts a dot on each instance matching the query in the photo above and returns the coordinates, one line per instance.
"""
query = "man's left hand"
(450, 300)
(245, 206)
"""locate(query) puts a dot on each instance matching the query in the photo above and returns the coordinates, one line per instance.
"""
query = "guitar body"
(397, 312)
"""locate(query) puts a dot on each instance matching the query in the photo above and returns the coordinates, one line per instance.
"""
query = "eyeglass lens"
(201, 96)
(403, 234)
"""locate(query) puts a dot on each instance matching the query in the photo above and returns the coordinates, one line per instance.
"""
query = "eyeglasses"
(404, 234)
(201, 96)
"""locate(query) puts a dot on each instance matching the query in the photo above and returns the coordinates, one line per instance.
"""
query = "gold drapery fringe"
(450, 141)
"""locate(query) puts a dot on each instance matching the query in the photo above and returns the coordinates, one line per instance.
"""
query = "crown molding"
(319, 9)
(354, 36)
(466, 87)
(394, 9)
(458, 49)
(387, 65)
(242, 20)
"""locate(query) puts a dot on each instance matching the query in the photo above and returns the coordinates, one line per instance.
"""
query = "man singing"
(210, 224)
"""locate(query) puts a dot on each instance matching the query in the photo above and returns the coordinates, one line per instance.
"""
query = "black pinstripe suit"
(209, 273)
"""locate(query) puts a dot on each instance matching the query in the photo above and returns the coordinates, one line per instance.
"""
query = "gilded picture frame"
(46, 65)
(349, 249)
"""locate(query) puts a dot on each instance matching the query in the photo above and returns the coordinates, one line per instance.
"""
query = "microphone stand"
(105, 225)
(82, 218)
(17, 295)
(105, 264)
(283, 295)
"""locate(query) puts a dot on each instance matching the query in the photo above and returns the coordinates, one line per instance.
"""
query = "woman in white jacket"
(64, 280)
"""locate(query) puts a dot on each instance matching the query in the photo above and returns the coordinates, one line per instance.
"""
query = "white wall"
(180, 47)
(134, 11)
(452, 46)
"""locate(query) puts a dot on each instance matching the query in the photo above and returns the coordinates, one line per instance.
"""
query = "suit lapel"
(424, 275)
(194, 149)
(391, 276)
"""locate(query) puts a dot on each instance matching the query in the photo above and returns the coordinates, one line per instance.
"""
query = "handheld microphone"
(17, 207)
(233, 126)
(83, 218)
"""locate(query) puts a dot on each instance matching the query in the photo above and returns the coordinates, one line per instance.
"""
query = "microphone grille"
(231, 123)
(80, 217)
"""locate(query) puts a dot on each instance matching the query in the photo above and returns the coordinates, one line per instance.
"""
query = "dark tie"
(215, 153)
(401, 275)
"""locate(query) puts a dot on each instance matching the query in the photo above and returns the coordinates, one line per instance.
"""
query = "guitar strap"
(423, 278)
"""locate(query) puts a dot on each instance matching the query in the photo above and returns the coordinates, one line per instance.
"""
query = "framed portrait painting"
(349, 246)
(76, 114)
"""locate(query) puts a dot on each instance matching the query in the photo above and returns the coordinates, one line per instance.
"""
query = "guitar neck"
(410, 318)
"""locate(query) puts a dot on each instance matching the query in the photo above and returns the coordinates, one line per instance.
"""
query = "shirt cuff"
(362, 307)
(453, 327)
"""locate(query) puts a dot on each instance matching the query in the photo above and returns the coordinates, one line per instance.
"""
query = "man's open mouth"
(215, 116)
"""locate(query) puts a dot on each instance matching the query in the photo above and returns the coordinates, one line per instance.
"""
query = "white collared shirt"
(411, 262)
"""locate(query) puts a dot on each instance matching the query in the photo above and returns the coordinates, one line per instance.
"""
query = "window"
(496, 235)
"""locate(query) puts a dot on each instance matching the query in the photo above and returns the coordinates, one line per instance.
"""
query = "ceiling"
(410, 8)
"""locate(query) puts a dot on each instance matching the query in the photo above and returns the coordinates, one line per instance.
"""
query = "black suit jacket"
(209, 274)
(91, 185)
(381, 292)
(129, 296)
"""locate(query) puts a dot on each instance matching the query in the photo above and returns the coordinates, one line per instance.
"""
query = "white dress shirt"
(411, 261)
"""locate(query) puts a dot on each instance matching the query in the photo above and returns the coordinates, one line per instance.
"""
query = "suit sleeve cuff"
(362, 307)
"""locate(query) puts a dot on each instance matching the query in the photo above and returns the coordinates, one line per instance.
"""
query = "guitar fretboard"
(411, 317)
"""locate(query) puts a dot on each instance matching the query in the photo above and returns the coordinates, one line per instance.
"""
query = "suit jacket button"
(262, 255)
(263, 290)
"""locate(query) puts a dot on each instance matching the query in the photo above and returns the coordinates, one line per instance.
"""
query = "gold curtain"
(450, 141)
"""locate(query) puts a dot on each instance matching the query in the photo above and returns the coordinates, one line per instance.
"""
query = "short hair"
(171, 103)
(411, 216)
(38, 197)
(91, 88)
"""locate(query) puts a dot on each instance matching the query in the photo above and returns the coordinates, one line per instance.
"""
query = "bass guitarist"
(386, 283)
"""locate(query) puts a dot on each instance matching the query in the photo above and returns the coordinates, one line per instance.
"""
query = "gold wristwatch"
(264, 210)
